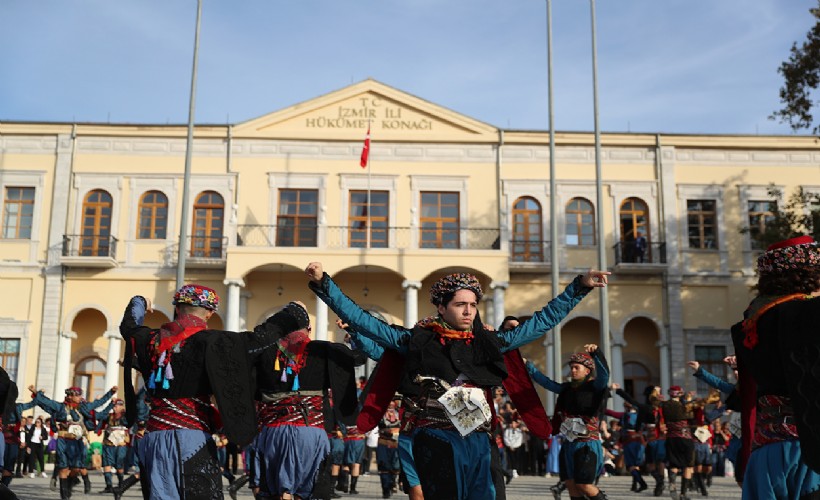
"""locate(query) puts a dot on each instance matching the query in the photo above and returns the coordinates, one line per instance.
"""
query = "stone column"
(663, 346)
(61, 378)
(616, 367)
(112, 367)
(499, 289)
(549, 349)
(244, 296)
(232, 312)
(411, 302)
(321, 320)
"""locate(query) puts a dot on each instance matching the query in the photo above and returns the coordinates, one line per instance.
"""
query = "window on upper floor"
(18, 212)
(580, 222)
(701, 217)
(634, 216)
(153, 218)
(89, 375)
(710, 358)
(95, 240)
(377, 216)
(528, 237)
(439, 219)
(209, 217)
(761, 213)
(10, 356)
(296, 223)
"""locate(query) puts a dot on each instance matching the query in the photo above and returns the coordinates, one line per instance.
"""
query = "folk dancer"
(577, 415)
(778, 352)
(71, 419)
(116, 440)
(184, 364)
(304, 387)
(450, 359)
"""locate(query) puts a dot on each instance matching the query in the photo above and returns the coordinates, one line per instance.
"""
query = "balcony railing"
(531, 251)
(261, 235)
(89, 245)
(627, 252)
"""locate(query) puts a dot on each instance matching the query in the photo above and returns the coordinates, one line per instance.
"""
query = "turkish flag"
(366, 149)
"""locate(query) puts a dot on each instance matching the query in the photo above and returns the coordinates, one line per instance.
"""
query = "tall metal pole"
(606, 345)
(189, 146)
(556, 280)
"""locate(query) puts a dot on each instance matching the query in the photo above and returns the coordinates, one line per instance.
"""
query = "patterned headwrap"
(453, 283)
(583, 359)
(74, 391)
(197, 295)
(789, 254)
(675, 391)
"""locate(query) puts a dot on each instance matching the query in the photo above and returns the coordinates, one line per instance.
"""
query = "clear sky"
(671, 66)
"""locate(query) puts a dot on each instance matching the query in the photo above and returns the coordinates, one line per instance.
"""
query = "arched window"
(153, 212)
(95, 239)
(89, 374)
(527, 244)
(635, 239)
(209, 214)
(580, 222)
(636, 379)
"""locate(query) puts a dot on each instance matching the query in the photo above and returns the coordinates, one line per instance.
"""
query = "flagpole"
(367, 165)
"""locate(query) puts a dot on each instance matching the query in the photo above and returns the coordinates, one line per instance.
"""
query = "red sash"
(174, 339)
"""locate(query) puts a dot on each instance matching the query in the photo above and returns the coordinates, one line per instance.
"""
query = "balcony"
(89, 250)
(204, 252)
(529, 254)
(340, 237)
(628, 256)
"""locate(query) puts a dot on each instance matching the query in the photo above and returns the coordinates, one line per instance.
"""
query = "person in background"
(37, 439)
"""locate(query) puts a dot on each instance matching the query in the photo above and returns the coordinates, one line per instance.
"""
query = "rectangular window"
(298, 218)
(761, 213)
(702, 224)
(378, 215)
(10, 356)
(439, 220)
(18, 213)
(710, 358)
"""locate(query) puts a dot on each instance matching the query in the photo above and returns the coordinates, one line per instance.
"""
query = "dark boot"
(123, 486)
(641, 483)
(86, 484)
(600, 496)
(685, 485)
(119, 478)
(240, 481)
(65, 488)
(341, 484)
(7, 479)
(700, 482)
(658, 491)
(353, 481)
(557, 489)
(108, 486)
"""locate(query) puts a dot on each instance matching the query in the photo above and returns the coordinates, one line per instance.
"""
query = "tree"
(800, 215)
(801, 75)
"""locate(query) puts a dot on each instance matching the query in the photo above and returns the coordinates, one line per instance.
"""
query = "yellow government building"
(92, 214)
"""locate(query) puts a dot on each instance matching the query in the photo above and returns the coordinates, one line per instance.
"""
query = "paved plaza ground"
(521, 488)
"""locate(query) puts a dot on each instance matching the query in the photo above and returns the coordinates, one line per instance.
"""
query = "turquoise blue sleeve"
(546, 319)
(714, 381)
(539, 378)
(388, 337)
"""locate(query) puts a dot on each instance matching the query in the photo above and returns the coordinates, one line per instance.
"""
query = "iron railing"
(630, 253)
(355, 236)
(529, 250)
(89, 245)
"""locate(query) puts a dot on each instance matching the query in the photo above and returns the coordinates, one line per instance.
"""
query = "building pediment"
(345, 115)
